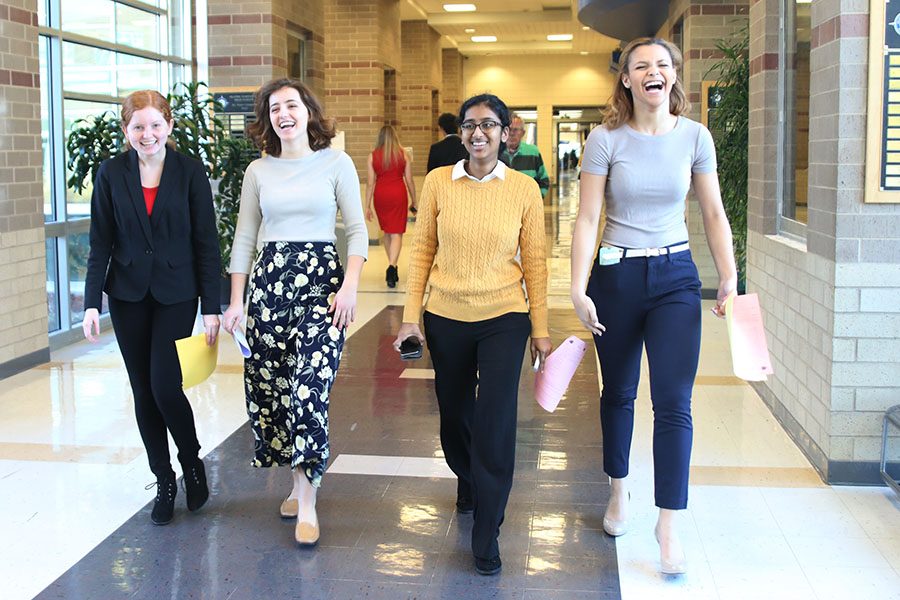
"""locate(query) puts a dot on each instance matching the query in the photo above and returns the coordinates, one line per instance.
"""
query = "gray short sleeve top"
(648, 178)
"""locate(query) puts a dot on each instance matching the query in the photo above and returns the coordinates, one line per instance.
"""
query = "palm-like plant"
(728, 123)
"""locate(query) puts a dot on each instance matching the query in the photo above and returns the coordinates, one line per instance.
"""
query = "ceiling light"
(586, 28)
(459, 7)
(559, 37)
(469, 30)
(479, 39)
(583, 53)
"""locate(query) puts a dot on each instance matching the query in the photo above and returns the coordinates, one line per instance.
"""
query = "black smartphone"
(410, 348)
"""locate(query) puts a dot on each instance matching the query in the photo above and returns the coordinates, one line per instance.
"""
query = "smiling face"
(483, 147)
(147, 131)
(288, 115)
(650, 75)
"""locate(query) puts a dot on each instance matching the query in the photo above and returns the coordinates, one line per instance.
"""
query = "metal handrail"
(892, 416)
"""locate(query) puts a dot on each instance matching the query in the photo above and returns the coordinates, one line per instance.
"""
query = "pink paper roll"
(560, 366)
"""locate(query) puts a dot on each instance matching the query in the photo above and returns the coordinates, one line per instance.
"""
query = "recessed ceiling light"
(583, 53)
(459, 7)
(559, 37)
(469, 30)
(586, 28)
(480, 39)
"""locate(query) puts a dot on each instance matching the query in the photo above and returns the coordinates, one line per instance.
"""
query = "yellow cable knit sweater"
(467, 236)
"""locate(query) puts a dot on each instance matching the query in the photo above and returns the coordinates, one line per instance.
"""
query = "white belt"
(645, 252)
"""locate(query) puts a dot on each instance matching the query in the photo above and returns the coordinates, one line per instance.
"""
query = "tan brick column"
(23, 278)
(452, 80)
(362, 52)
(419, 89)
(248, 41)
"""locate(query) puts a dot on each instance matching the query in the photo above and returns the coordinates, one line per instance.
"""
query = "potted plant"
(198, 133)
(728, 123)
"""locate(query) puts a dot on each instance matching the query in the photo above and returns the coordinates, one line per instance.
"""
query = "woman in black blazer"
(152, 215)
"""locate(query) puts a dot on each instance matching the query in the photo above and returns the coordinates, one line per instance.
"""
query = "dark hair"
(495, 104)
(319, 128)
(447, 122)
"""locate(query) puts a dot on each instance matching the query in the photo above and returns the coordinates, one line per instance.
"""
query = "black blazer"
(173, 254)
(446, 152)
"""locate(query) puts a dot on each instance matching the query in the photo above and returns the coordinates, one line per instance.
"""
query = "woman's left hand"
(540, 347)
(343, 309)
(211, 324)
(727, 287)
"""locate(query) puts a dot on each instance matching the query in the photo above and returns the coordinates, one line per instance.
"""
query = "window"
(796, 76)
(52, 285)
(296, 57)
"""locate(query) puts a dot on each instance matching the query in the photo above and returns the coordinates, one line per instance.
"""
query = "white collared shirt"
(459, 171)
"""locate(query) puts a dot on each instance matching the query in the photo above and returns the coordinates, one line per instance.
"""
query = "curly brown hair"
(621, 104)
(319, 128)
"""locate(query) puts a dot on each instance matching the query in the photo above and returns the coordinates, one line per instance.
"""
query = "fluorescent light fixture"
(459, 7)
(583, 53)
(469, 30)
(559, 37)
(481, 39)
(586, 28)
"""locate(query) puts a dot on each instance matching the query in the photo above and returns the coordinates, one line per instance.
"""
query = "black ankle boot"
(195, 487)
(164, 505)
(390, 277)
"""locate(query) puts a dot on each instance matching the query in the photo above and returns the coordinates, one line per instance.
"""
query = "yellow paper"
(198, 360)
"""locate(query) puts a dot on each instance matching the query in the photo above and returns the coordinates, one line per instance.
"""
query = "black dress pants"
(146, 332)
(476, 375)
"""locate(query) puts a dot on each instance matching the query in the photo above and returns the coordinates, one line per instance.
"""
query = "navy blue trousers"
(652, 302)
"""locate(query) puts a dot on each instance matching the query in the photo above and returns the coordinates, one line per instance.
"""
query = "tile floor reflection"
(760, 522)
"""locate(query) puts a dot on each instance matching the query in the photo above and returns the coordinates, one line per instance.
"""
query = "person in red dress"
(390, 185)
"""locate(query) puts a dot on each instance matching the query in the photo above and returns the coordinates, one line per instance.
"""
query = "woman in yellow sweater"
(474, 217)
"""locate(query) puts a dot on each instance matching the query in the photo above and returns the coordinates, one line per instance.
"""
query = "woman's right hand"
(408, 330)
(232, 316)
(587, 313)
(91, 324)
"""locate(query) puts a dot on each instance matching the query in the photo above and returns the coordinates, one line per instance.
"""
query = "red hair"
(142, 99)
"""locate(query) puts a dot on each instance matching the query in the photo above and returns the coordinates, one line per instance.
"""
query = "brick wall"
(356, 59)
(830, 304)
(23, 292)
(418, 89)
(451, 81)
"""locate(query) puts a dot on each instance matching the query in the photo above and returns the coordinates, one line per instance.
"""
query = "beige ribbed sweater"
(466, 240)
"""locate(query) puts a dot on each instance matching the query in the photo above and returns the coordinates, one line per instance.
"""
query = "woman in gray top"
(300, 299)
(643, 289)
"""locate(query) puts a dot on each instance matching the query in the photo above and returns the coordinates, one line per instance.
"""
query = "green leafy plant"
(198, 133)
(728, 122)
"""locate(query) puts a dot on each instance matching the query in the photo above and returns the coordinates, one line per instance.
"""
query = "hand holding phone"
(410, 348)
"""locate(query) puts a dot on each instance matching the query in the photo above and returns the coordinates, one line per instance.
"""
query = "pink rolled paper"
(749, 352)
(551, 384)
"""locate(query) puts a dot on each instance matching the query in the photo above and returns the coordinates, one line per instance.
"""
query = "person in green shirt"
(525, 158)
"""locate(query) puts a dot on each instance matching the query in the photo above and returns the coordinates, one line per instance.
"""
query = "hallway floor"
(761, 524)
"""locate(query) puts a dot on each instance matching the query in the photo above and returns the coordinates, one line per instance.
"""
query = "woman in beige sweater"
(474, 218)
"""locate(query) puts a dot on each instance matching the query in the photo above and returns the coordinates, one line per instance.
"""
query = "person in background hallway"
(389, 183)
(643, 288)
(449, 150)
(525, 158)
(300, 300)
(474, 218)
(152, 215)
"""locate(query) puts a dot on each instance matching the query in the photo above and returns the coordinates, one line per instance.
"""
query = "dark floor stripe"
(382, 537)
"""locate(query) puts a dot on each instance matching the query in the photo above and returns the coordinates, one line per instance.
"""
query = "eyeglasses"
(485, 126)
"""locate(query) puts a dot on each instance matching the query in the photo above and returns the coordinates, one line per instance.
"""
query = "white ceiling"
(521, 26)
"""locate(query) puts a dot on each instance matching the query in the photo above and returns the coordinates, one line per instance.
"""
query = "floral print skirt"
(295, 352)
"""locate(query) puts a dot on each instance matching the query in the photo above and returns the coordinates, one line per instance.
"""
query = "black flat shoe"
(164, 505)
(488, 566)
(464, 506)
(195, 486)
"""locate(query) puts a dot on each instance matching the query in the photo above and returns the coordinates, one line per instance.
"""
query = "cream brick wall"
(421, 80)
(451, 81)
(23, 278)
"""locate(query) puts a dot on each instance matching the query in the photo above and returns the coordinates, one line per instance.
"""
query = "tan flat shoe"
(306, 534)
(289, 508)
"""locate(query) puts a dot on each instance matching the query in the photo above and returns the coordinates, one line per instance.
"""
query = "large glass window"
(93, 53)
(797, 36)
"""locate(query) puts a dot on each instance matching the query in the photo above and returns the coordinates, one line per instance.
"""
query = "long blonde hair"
(621, 103)
(391, 150)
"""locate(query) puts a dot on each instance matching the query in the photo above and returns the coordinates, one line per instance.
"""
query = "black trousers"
(146, 332)
(476, 375)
